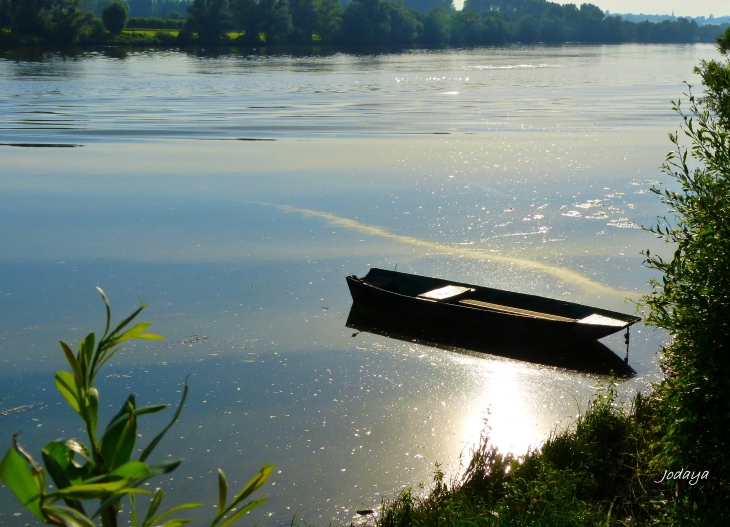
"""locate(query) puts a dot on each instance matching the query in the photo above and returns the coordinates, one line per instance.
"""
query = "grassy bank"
(151, 33)
(129, 38)
(132, 37)
(597, 473)
(661, 459)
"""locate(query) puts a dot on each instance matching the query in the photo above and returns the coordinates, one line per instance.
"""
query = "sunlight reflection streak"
(564, 275)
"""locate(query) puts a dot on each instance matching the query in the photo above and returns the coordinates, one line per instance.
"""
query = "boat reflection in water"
(586, 356)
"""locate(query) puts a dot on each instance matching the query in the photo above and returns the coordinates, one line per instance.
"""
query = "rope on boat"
(626, 339)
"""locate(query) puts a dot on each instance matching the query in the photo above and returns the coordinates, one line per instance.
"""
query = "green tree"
(30, 17)
(424, 6)
(366, 22)
(616, 29)
(586, 24)
(245, 18)
(552, 29)
(437, 27)
(681, 30)
(274, 20)
(553, 9)
(528, 29)
(692, 300)
(329, 19)
(466, 28)
(209, 19)
(304, 20)
(6, 17)
(63, 21)
(115, 16)
(591, 11)
(494, 31)
(315, 17)
(478, 6)
(404, 26)
(533, 7)
(685, 30)
(69, 21)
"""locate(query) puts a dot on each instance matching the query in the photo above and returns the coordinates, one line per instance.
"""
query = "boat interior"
(517, 304)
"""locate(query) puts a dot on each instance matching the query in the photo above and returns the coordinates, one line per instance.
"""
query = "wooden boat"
(482, 310)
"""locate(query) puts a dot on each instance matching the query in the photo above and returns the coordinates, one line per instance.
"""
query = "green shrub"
(115, 16)
(692, 301)
(166, 38)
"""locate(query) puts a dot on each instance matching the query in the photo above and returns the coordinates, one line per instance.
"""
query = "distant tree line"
(356, 23)
(427, 22)
(701, 20)
(58, 20)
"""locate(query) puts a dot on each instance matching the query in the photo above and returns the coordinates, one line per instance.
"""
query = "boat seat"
(600, 320)
(514, 310)
(448, 292)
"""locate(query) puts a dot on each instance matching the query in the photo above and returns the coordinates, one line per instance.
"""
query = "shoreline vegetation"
(661, 458)
(347, 26)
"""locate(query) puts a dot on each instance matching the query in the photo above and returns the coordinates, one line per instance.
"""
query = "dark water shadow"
(585, 357)
(240, 139)
(42, 145)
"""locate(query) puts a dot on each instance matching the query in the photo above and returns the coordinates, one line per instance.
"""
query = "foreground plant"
(106, 471)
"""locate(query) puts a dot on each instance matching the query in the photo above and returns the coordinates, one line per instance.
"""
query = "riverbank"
(597, 473)
(167, 38)
(129, 38)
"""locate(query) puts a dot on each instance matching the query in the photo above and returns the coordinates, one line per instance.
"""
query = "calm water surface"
(234, 193)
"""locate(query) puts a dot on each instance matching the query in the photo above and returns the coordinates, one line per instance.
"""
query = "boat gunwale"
(628, 320)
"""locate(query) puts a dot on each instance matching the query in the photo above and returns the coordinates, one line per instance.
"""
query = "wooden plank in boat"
(600, 320)
(515, 310)
(446, 292)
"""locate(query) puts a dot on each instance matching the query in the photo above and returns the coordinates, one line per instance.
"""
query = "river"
(234, 192)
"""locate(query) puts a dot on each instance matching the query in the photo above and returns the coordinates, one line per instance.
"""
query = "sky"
(662, 7)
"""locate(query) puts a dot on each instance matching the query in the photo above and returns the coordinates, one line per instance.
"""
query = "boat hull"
(474, 320)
